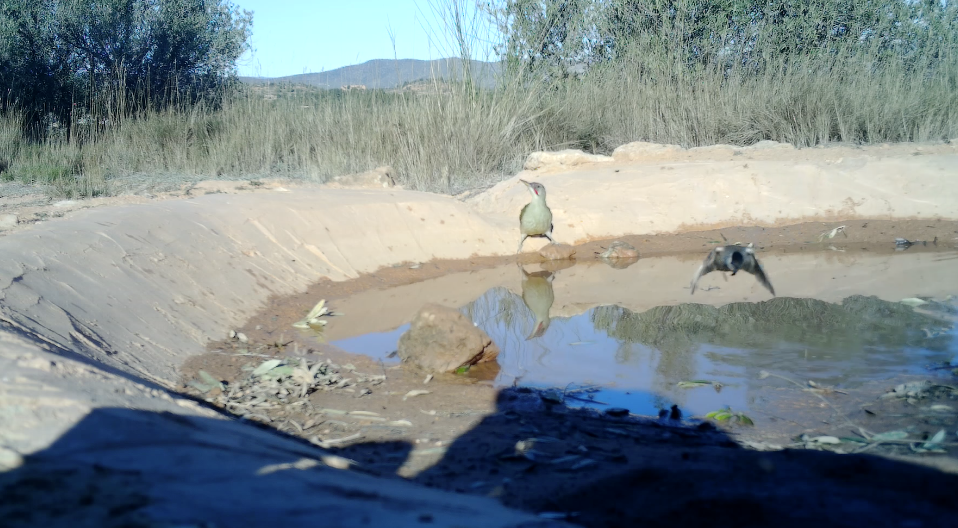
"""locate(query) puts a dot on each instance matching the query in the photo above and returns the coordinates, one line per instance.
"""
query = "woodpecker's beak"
(529, 185)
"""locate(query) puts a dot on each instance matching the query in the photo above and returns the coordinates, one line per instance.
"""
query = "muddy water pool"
(630, 336)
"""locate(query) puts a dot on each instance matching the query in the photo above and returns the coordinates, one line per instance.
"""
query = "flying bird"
(733, 258)
(535, 219)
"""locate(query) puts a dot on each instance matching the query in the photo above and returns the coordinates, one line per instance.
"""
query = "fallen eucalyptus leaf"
(337, 462)
(586, 462)
(313, 317)
(412, 393)
(826, 440)
(934, 441)
(266, 366)
(279, 372)
(693, 384)
(317, 310)
(853, 440)
(210, 380)
(832, 233)
(202, 387)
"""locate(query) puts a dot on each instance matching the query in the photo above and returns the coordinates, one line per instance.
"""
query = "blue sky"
(293, 37)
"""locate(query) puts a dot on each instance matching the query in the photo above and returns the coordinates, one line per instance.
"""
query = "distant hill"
(388, 74)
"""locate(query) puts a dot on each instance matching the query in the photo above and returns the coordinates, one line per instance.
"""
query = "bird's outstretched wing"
(708, 266)
(753, 266)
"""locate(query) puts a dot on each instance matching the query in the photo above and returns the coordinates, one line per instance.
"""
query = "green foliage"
(730, 34)
(70, 58)
(548, 35)
(727, 414)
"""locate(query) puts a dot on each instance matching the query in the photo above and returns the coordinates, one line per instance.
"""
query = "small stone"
(242, 337)
(617, 411)
(619, 249)
(619, 255)
(8, 221)
(676, 414)
(232, 334)
(557, 252)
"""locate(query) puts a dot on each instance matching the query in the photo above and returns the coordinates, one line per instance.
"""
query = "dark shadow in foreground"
(609, 472)
(121, 467)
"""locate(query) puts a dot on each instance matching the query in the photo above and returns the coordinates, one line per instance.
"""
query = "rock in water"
(442, 339)
(557, 252)
(619, 249)
(619, 255)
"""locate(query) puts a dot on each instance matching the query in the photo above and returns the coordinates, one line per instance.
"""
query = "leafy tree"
(544, 34)
(35, 67)
(54, 53)
(554, 34)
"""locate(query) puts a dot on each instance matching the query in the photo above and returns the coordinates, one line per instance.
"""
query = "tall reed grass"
(456, 136)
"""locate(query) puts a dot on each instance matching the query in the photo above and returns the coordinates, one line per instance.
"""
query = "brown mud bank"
(101, 308)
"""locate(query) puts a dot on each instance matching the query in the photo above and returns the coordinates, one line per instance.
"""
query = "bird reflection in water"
(538, 296)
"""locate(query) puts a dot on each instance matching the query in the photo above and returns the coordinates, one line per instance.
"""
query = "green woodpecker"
(535, 219)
